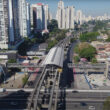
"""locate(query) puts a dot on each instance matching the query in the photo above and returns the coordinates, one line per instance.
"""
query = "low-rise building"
(8, 54)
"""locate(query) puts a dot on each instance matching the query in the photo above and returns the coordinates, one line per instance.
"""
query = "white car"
(91, 108)
(2, 90)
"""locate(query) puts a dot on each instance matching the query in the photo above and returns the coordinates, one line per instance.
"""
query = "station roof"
(55, 57)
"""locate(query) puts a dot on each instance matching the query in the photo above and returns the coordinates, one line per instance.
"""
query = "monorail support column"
(107, 69)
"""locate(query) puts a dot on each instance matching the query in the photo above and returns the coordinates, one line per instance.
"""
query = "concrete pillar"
(106, 71)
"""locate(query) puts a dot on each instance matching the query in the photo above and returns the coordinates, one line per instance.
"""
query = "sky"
(88, 7)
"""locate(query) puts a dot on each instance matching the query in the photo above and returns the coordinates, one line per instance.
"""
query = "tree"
(52, 25)
(88, 53)
(12, 61)
(25, 79)
(76, 49)
(90, 36)
(108, 40)
(72, 40)
(106, 105)
(76, 59)
(85, 50)
(99, 25)
(51, 44)
(94, 60)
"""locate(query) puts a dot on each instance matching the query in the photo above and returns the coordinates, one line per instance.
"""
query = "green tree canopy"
(12, 61)
(106, 105)
(85, 50)
(76, 59)
(88, 53)
(90, 36)
(53, 25)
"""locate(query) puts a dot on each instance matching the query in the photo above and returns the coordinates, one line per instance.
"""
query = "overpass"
(88, 66)
(21, 65)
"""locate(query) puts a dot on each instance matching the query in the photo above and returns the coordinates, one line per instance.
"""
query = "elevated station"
(55, 57)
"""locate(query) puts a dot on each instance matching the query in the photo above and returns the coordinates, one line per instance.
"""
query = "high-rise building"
(60, 16)
(46, 16)
(40, 16)
(65, 16)
(61, 4)
(4, 23)
(9, 23)
(28, 19)
(23, 18)
(16, 20)
(79, 17)
(31, 16)
(50, 17)
(70, 17)
(13, 26)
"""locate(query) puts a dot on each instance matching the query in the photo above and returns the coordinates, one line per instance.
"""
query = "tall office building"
(65, 16)
(40, 16)
(79, 17)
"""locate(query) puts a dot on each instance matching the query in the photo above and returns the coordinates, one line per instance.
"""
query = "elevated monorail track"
(48, 81)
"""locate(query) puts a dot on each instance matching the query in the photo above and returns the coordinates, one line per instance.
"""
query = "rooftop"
(55, 57)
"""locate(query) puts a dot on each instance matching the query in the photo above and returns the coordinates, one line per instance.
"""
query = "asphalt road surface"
(70, 100)
(14, 100)
(67, 78)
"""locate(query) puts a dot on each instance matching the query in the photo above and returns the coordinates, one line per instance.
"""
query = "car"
(60, 105)
(20, 91)
(14, 103)
(2, 90)
(83, 103)
(75, 91)
(91, 108)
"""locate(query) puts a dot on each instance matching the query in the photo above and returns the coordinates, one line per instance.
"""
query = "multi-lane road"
(14, 100)
(72, 100)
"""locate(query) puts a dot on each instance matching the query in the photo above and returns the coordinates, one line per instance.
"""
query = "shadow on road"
(67, 77)
(14, 100)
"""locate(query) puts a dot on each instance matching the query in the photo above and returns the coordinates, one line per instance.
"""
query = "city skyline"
(94, 7)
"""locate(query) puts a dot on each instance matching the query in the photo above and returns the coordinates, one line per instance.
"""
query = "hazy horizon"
(89, 7)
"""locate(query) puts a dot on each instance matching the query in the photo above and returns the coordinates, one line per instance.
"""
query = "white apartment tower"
(79, 17)
(65, 16)
(9, 23)
(28, 18)
(14, 22)
(72, 17)
(4, 22)
(46, 16)
(23, 18)
(61, 15)
(31, 16)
